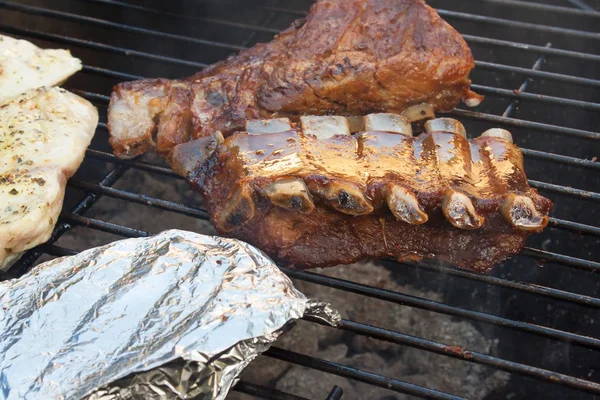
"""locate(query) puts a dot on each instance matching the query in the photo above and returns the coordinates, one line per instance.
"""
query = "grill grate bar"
(519, 123)
(536, 67)
(99, 46)
(162, 13)
(509, 284)
(577, 162)
(134, 164)
(518, 24)
(463, 354)
(96, 97)
(583, 105)
(581, 4)
(584, 194)
(139, 198)
(430, 305)
(110, 73)
(112, 25)
(526, 287)
(264, 392)
(202, 214)
(487, 20)
(103, 226)
(109, 24)
(381, 294)
(357, 374)
(479, 64)
(543, 255)
(336, 393)
(532, 48)
(546, 7)
(574, 227)
(576, 80)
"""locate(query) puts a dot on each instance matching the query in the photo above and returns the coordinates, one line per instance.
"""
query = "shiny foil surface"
(176, 315)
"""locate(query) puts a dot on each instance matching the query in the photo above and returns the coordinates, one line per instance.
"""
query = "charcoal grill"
(538, 63)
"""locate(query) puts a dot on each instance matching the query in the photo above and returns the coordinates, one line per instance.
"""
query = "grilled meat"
(43, 137)
(348, 57)
(317, 195)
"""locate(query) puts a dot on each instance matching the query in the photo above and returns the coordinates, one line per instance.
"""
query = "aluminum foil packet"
(174, 316)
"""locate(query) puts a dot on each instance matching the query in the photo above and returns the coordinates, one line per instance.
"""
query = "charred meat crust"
(313, 202)
(347, 57)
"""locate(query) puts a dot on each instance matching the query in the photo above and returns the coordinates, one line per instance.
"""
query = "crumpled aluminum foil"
(176, 315)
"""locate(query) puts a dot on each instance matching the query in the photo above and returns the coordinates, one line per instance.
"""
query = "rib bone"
(460, 212)
(237, 210)
(387, 122)
(290, 193)
(498, 133)
(419, 112)
(184, 157)
(521, 213)
(446, 125)
(344, 197)
(404, 205)
(325, 127)
(275, 125)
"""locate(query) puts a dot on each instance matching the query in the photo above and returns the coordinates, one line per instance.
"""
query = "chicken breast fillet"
(24, 66)
(43, 137)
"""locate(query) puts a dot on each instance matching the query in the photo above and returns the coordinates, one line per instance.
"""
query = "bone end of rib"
(498, 133)
(404, 205)
(324, 127)
(185, 157)
(460, 212)
(520, 212)
(238, 210)
(261, 126)
(419, 112)
(446, 125)
(344, 197)
(387, 122)
(290, 193)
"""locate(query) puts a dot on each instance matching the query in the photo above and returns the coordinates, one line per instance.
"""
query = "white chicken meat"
(43, 137)
(24, 66)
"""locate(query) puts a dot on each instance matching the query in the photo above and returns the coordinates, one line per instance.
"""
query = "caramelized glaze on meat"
(347, 57)
(312, 198)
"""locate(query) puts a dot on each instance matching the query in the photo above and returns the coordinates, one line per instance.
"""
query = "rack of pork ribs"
(332, 190)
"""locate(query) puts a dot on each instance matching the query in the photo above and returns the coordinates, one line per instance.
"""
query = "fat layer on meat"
(43, 137)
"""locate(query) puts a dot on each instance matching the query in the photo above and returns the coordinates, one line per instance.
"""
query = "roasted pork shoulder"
(347, 57)
(317, 194)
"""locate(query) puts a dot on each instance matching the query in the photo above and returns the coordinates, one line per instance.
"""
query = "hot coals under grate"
(536, 317)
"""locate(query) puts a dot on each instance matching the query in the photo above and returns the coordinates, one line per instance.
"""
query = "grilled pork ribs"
(347, 57)
(256, 136)
(316, 194)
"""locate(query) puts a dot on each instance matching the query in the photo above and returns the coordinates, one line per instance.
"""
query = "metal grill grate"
(552, 113)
